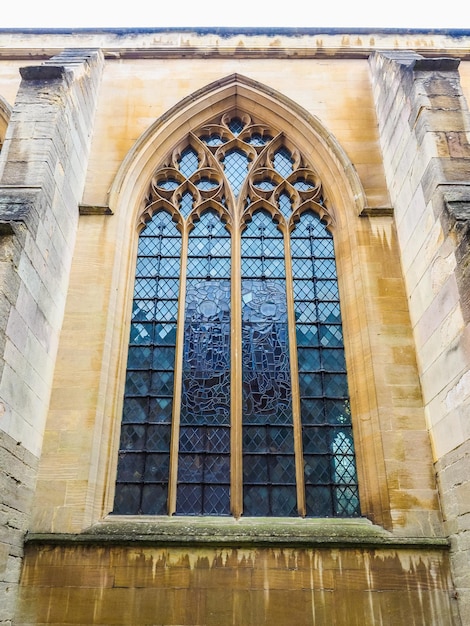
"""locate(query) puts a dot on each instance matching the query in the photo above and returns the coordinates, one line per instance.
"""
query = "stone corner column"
(424, 126)
(42, 174)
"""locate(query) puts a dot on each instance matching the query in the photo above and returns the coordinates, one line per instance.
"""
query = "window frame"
(236, 227)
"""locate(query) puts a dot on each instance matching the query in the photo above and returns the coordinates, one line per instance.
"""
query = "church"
(234, 327)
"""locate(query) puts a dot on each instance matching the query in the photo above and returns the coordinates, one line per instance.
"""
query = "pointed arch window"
(236, 398)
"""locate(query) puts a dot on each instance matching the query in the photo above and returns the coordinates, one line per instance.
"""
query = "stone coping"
(227, 531)
(192, 42)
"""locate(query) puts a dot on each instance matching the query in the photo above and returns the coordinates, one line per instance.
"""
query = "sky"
(402, 14)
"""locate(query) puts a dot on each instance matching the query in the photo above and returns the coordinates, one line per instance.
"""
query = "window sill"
(230, 532)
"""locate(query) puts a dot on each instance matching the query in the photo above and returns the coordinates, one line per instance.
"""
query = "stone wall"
(220, 586)
(424, 123)
(42, 169)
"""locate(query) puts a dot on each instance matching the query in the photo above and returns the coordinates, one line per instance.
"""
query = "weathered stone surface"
(234, 585)
(44, 136)
(440, 169)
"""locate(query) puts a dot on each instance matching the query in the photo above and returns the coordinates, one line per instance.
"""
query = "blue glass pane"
(317, 469)
(284, 501)
(186, 204)
(156, 468)
(285, 204)
(323, 248)
(162, 383)
(135, 410)
(283, 162)
(257, 140)
(127, 499)
(325, 268)
(190, 499)
(154, 499)
(140, 357)
(145, 288)
(216, 500)
(160, 409)
(141, 333)
(316, 440)
(236, 125)
(347, 500)
(130, 467)
(146, 245)
(256, 500)
(331, 335)
(302, 185)
(319, 501)
(137, 383)
(164, 335)
(307, 335)
(160, 222)
(169, 184)
(265, 185)
(212, 140)
(188, 162)
(132, 436)
(168, 288)
(308, 359)
(236, 169)
(313, 411)
(311, 226)
(206, 184)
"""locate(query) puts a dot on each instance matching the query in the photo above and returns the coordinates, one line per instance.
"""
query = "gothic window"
(236, 398)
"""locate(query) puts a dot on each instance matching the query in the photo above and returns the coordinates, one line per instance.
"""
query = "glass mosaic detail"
(268, 442)
(204, 444)
(329, 462)
(143, 464)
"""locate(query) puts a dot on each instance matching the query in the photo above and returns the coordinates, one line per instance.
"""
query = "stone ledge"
(16, 204)
(43, 72)
(298, 532)
(91, 209)
(377, 211)
(436, 64)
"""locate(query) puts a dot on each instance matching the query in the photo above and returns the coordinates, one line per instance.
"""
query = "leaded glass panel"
(188, 162)
(283, 162)
(327, 448)
(142, 479)
(236, 168)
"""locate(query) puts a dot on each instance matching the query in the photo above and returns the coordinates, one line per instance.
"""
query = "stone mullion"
(236, 385)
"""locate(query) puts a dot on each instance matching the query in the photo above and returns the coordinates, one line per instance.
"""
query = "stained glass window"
(269, 485)
(236, 398)
(204, 438)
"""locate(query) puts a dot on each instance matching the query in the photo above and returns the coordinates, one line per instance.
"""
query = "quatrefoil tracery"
(236, 166)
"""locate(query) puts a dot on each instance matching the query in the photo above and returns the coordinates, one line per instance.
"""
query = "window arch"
(236, 395)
